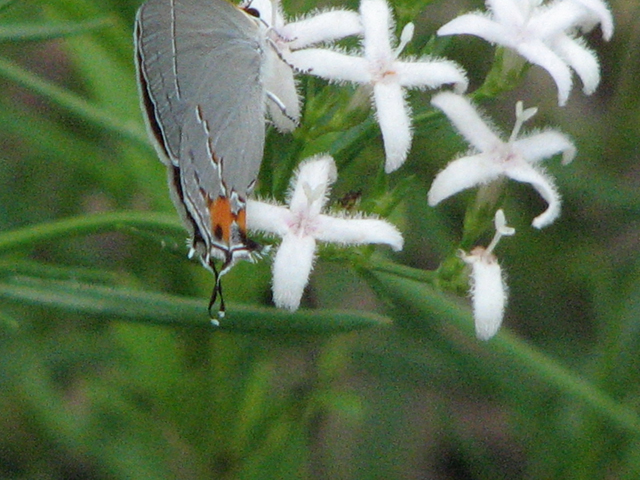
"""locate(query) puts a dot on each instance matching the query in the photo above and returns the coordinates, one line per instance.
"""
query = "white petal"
(311, 186)
(467, 120)
(558, 17)
(292, 266)
(488, 294)
(431, 73)
(323, 27)
(510, 12)
(538, 53)
(539, 146)
(280, 83)
(318, 171)
(330, 65)
(582, 59)
(268, 218)
(279, 20)
(481, 26)
(461, 174)
(600, 13)
(358, 231)
(405, 37)
(377, 25)
(395, 123)
(544, 185)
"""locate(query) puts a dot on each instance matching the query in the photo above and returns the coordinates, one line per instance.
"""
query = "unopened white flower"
(284, 103)
(302, 224)
(488, 288)
(544, 34)
(389, 76)
(517, 158)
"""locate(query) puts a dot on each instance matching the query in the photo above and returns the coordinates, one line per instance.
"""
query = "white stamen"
(502, 230)
(405, 38)
(521, 117)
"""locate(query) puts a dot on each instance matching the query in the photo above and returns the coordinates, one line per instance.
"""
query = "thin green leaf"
(439, 311)
(18, 267)
(122, 303)
(98, 61)
(117, 38)
(164, 309)
(354, 138)
(31, 32)
(71, 102)
(86, 225)
(427, 117)
(319, 322)
(424, 276)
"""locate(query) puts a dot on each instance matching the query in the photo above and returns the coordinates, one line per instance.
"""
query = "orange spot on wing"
(223, 219)
(241, 219)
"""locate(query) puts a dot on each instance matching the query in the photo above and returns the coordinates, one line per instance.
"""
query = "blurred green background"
(109, 367)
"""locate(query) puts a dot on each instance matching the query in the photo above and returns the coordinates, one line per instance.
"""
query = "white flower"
(284, 104)
(381, 68)
(517, 158)
(302, 224)
(488, 289)
(543, 34)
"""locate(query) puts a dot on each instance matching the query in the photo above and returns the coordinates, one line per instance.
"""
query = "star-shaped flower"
(517, 158)
(543, 34)
(488, 288)
(302, 224)
(389, 76)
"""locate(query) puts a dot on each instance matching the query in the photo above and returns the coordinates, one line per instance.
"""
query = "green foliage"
(110, 367)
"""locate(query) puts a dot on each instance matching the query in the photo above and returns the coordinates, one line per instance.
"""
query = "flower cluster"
(545, 33)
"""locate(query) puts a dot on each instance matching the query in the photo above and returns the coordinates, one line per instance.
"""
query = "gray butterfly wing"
(206, 55)
(198, 175)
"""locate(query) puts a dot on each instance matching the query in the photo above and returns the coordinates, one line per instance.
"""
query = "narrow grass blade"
(86, 225)
(75, 104)
(35, 33)
(149, 307)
